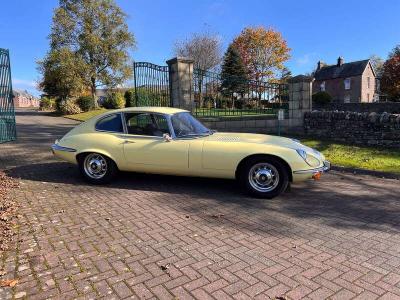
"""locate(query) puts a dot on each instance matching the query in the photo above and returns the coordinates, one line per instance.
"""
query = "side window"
(347, 83)
(146, 124)
(111, 123)
(322, 87)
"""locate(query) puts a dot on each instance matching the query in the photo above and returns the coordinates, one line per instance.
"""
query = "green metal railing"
(151, 84)
(7, 115)
(230, 96)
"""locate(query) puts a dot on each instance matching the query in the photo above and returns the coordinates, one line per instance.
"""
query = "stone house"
(352, 82)
(24, 99)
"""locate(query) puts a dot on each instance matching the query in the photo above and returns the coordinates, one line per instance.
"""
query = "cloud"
(23, 83)
(306, 59)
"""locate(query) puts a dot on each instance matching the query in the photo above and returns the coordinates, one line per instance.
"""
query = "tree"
(205, 50)
(263, 52)
(377, 63)
(233, 73)
(322, 98)
(390, 81)
(129, 98)
(62, 74)
(284, 75)
(95, 31)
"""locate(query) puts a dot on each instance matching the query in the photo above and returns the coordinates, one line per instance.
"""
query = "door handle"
(129, 142)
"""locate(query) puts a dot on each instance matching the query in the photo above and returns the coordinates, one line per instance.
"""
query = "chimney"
(340, 61)
(320, 65)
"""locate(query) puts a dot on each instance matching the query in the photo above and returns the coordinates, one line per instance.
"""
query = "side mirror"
(167, 137)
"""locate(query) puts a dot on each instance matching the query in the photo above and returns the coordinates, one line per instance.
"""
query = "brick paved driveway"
(165, 237)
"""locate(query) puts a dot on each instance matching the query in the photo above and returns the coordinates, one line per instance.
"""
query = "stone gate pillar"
(181, 82)
(300, 100)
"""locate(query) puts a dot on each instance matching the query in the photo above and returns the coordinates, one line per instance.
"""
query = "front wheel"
(264, 177)
(97, 168)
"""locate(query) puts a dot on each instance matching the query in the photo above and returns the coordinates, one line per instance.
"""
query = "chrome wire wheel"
(95, 166)
(263, 177)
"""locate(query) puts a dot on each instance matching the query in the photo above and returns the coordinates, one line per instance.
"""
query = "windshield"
(185, 124)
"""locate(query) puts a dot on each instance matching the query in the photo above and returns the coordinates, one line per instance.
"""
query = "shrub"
(69, 107)
(129, 98)
(47, 103)
(114, 100)
(322, 98)
(85, 103)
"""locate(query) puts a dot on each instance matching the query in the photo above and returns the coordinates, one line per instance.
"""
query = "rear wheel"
(97, 168)
(264, 177)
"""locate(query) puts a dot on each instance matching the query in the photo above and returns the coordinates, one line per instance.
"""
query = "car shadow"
(339, 200)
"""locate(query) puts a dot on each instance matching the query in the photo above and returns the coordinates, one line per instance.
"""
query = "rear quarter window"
(112, 123)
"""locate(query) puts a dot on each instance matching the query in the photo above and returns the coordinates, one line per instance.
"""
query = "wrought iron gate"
(7, 115)
(151, 84)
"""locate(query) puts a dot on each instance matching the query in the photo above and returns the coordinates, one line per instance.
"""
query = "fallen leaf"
(9, 282)
(164, 268)
(218, 216)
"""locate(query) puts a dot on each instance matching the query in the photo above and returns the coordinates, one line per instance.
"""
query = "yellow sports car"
(171, 141)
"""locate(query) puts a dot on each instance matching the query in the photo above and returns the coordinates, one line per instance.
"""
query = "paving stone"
(336, 238)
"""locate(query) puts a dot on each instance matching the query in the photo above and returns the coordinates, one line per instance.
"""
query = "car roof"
(150, 109)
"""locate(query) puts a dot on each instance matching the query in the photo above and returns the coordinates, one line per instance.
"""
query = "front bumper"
(316, 173)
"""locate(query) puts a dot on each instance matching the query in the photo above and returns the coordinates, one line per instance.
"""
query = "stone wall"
(352, 127)
(378, 107)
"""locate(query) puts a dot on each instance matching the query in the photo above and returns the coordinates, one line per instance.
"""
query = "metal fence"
(151, 84)
(215, 96)
(7, 114)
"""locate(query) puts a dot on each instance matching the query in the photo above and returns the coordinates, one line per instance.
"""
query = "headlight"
(311, 160)
(302, 153)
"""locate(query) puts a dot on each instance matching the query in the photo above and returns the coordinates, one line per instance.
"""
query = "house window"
(347, 84)
(368, 96)
(368, 82)
(347, 99)
(322, 86)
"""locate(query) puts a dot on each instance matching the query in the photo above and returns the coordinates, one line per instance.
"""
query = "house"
(24, 99)
(346, 82)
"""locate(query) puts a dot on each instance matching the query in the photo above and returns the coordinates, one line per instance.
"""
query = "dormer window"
(347, 84)
(322, 86)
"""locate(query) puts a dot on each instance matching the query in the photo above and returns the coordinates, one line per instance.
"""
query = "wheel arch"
(262, 155)
(82, 154)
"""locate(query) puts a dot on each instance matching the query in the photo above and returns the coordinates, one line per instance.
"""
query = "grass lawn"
(86, 115)
(363, 157)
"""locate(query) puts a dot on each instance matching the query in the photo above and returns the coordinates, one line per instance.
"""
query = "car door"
(145, 149)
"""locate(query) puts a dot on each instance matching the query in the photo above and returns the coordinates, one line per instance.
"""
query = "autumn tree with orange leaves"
(390, 81)
(263, 52)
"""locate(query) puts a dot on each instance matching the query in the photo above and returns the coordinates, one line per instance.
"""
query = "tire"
(269, 177)
(97, 168)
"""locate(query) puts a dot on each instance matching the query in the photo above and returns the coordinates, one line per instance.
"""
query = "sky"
(314, 30)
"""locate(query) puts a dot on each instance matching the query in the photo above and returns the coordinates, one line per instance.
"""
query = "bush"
(69, 107)
(322, 98)
(85, 103)
(114, 100)
(129, 98)
(47, 103)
